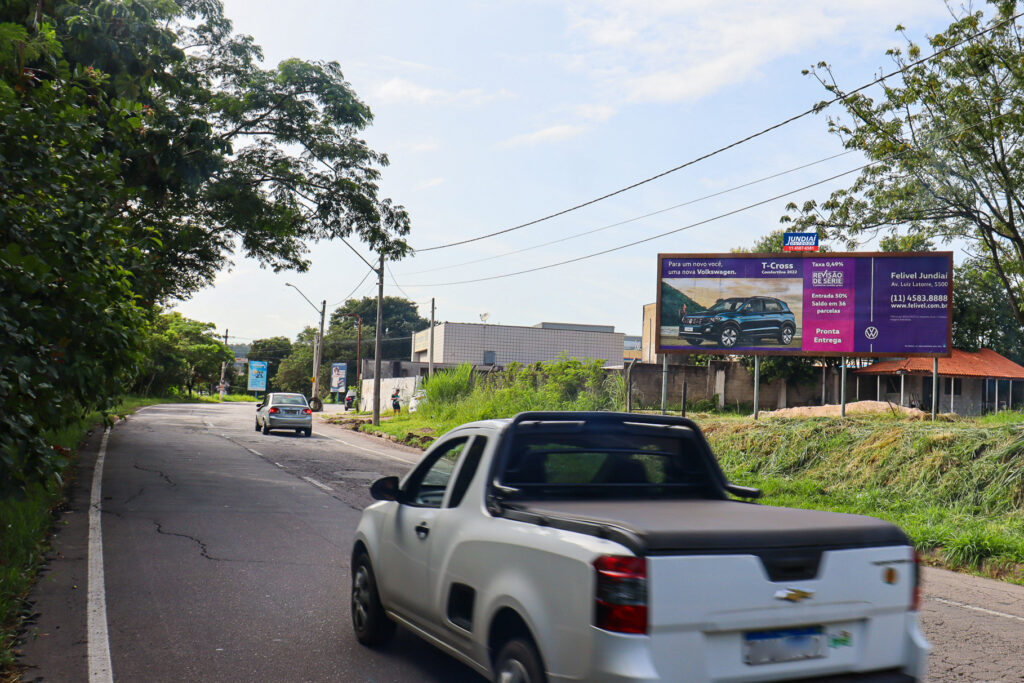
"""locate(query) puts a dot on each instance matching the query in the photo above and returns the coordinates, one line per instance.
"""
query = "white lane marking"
(375, 452)
(964, 605)
(317, 484)
(98, 648)
(254, 451)
(279, 465)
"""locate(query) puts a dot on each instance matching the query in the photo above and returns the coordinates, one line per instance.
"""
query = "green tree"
(226, 154)
(401, 320)
(945, 139)
(68, 310)
(981, 314)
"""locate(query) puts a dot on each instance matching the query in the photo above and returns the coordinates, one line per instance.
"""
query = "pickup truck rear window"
(604, 465)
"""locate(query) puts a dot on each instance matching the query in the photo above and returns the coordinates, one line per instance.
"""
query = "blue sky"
(496, 113)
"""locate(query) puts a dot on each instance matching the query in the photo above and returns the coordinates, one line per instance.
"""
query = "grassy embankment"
(956, 486)
(25, 524)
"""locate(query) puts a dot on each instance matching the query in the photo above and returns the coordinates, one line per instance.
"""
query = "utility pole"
(223, 368)
(377, 340)
(430, 362)
(315, 402)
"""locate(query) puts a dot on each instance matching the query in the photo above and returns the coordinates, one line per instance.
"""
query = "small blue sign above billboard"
(800, 241)
(257, 375)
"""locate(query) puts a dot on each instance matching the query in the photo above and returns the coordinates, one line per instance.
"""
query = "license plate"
(291, 412)
(784, 645)
(688, 329)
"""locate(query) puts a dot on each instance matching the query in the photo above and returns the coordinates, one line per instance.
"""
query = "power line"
(653, 237)
(392, 274)
(636, 218)
(813, 110)
(372, 270)
(887, 159)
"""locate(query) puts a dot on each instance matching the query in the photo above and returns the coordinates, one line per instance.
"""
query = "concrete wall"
(406, 386)
(726, 380)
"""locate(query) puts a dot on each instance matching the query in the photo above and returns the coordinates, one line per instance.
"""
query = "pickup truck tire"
(729, 335)
(258, 428)
(369, 621)
(518, 662)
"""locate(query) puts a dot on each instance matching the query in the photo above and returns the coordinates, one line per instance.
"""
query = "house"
(970, 382)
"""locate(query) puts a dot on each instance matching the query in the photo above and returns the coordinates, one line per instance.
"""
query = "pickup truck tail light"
(620, 596)
(915, 601)
(307, 411)
(274, 410)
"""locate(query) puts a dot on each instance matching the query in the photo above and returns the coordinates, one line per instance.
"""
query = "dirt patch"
(856, 408)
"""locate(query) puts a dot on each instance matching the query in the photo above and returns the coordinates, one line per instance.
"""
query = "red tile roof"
(984, 363)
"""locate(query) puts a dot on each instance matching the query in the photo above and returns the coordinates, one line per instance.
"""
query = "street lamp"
(315, 403)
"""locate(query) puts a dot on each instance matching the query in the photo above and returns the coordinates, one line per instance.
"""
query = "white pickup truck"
(609, 547)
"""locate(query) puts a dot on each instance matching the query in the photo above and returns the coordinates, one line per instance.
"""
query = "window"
(957, 386)
(490, 358)
(892, 384)
(427, 486)
(754, 306)
(606, 465)
(468, 469)
(772, 307)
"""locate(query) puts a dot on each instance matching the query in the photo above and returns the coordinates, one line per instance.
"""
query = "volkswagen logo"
(871, 332)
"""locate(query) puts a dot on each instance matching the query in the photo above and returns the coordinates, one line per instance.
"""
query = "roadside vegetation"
(956, 486)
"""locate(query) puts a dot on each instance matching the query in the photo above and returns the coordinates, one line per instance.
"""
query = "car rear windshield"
(603, 465)
(290, 400)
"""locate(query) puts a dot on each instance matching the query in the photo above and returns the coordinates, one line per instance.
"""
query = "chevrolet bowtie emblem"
(793, 594)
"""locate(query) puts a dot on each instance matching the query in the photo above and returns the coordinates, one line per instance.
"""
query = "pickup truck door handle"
(422, 529)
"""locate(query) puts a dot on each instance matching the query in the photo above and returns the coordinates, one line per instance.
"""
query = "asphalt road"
(226, 559)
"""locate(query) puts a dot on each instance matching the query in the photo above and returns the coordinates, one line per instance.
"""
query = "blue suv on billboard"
(731, 320)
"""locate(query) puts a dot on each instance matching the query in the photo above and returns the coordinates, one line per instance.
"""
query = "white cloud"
(595, 112)
(402, 91)
(549, 134)
(427, 184)
(673, 50)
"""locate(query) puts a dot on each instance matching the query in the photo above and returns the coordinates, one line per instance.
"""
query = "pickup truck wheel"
(369, 621)
(519, 662)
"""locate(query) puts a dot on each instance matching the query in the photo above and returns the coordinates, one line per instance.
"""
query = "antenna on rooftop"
(484, 317)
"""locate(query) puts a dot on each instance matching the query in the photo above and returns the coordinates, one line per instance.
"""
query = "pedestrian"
(395, 402)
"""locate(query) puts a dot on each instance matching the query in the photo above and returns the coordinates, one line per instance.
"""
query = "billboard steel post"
(684, 398)
(757, 385)
(935, 386)
(664, 382)
(842, 390)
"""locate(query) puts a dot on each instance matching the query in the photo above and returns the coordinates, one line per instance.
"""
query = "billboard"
(257, 375)
(339, 377)
(812, 304)
(800, 241)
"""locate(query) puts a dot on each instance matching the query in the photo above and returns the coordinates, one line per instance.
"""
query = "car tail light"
(620, 596)
(915, 601)
(274, 410)
(308, 411)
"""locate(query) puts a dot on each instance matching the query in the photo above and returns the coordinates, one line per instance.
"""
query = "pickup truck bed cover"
(653, 527)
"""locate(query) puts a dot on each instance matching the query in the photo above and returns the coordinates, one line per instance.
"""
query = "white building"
(482, 344)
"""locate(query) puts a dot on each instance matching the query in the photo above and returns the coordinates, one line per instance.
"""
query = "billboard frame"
(710, 351)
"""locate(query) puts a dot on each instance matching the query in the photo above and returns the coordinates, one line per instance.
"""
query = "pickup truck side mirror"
(386, 489)
(258, 406)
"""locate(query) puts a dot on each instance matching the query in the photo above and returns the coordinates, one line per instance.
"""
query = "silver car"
(284, 411)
